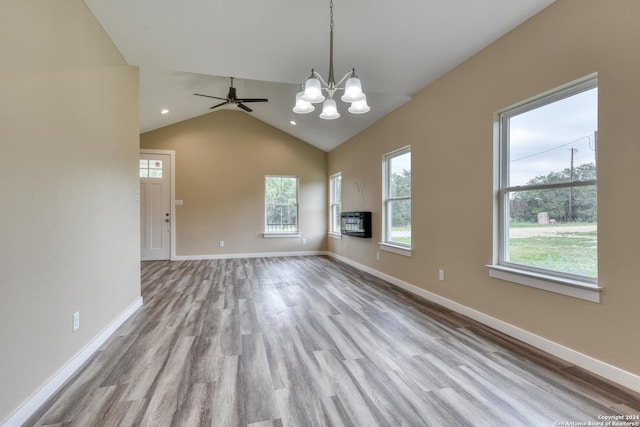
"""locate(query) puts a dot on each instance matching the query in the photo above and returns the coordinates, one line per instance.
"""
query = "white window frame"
(386, 244)
(334, 203)
(294, 233)
(577, 286)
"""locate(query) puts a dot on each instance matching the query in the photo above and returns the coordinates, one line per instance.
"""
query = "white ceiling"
(397, 47)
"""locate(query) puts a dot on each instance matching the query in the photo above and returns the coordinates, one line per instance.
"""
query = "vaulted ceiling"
(397, 47)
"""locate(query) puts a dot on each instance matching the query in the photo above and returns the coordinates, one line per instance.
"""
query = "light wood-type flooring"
(308, 341)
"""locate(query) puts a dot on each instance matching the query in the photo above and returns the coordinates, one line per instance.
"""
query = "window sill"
(396, 249)
(280, 235)
(573, 288)
(334, 235)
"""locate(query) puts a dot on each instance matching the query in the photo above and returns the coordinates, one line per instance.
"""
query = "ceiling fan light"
(312, 91)
(302, 106)
(353, 90)
(329, 110)
(360, 107)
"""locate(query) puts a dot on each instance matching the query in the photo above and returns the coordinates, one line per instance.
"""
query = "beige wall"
(69, 235)
(449, 125)
(221, 162)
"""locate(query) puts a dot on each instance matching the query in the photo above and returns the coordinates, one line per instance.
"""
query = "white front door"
(155, 206)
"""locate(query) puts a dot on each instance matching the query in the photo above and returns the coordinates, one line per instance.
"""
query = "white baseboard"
(598, 367)
(250, 255)
(31, 405)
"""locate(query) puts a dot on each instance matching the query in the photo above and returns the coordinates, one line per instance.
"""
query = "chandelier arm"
(315, 73)
(349, 74)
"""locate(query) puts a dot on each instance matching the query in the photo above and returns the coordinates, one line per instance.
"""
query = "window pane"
(144, 173)
(155, 173)
(144, 164)
(274, 217)
(335, 218)
(281, 218)
(281, 190)
(337, 189)
(554, 229)
(400, 175)
(556, 142)
(155, 164)
(400, 221)
(336, 198)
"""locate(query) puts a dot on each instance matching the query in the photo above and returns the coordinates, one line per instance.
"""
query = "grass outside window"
(569, 248)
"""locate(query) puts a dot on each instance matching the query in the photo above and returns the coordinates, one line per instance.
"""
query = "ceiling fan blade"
(218, 105)
(244, 107)
(209, 96)
(252, 100)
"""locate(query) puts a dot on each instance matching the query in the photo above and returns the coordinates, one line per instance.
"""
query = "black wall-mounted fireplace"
(356, 224)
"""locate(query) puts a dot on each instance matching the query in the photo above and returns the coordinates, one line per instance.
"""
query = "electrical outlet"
(221, 243)
(377, 256)
(441, 275)
(304, 241)
(76, 321)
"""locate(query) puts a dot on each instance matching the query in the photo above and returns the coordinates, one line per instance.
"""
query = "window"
(281, 204)
(335, 202)
(397, 201)
(547, 196)
(150, 168)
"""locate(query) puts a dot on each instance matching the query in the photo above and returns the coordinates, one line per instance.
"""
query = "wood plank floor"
(311, 342)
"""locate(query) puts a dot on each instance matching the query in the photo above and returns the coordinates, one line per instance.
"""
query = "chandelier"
(311, 92)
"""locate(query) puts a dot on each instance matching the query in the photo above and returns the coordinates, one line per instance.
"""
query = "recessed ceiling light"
(293, 122)
(164, 111)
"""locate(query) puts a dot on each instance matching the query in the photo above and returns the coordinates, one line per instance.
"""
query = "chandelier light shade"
(353, 89)
(329, 110)
(302, 106)
(360, 107)
(313, 88)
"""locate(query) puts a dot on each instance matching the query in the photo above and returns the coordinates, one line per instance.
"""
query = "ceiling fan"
(232, 99)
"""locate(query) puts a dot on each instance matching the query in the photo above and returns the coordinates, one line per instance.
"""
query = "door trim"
(172, 196)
